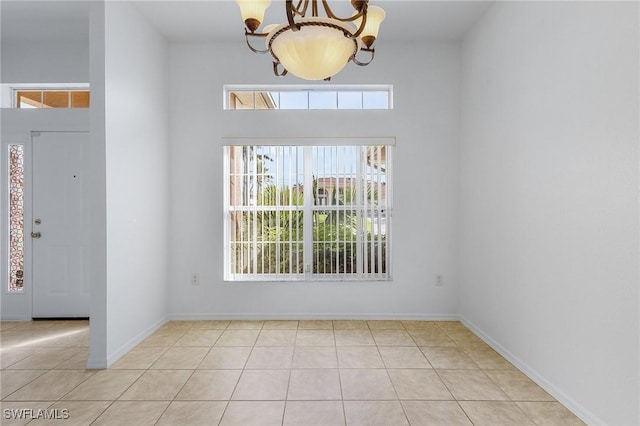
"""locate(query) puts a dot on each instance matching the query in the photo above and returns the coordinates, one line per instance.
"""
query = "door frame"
(17, 127)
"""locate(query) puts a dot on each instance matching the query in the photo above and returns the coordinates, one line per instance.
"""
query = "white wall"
(137, 181)
(45, 61)
(549, 197)
(425, 123)
(44, 41)
(97, 194)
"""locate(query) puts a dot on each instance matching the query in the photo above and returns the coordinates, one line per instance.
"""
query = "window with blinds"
(307, 212)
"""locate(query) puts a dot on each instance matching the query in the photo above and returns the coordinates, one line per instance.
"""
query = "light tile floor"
(248, 373)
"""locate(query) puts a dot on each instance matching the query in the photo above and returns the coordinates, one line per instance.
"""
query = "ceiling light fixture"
(313, 47)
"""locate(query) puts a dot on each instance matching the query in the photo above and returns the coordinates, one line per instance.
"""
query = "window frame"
(228, 89)
(309, 209)
(10, 93)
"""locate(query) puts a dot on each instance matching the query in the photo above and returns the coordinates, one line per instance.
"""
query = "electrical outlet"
(195, 279)
(439, 280)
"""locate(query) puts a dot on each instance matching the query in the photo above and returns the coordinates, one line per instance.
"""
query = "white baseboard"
(96, 364)
(16, 318)
(103, 363)
(362, 317)
(576, 408)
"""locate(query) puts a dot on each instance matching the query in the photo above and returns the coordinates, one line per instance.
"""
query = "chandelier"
(313, 47)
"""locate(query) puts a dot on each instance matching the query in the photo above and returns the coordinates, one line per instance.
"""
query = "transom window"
(55, 98)
(307, 212)
(362, 97)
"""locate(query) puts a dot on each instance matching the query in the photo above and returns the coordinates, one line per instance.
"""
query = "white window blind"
(307, 212)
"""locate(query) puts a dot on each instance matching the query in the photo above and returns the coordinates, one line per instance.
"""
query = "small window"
(362, 97)
(297, 212)
(54, 98)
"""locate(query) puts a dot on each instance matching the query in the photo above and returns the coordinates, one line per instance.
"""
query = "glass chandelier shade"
(375, 16)
(252, 12)
(313, 47)
(315, 51)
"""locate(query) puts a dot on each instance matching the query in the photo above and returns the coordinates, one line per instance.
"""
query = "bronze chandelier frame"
(300, 10)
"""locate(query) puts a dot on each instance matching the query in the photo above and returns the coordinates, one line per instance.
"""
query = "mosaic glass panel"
(16, 218)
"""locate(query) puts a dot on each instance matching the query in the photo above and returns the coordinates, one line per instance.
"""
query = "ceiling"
(207, 20)
(220, 20)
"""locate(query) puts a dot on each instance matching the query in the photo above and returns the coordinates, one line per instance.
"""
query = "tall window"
(16, 218)
(307, 212)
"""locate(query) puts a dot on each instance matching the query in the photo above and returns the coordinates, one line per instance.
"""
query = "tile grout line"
(395, 390)
(286, 396)
(344, 409)
(461, 347)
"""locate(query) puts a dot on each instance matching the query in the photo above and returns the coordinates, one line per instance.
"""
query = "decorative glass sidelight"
(16, 218)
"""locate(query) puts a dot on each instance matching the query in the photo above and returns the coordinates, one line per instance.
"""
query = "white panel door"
(58, 231)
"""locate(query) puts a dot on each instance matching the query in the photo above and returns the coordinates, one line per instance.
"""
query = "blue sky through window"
(285, 164)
